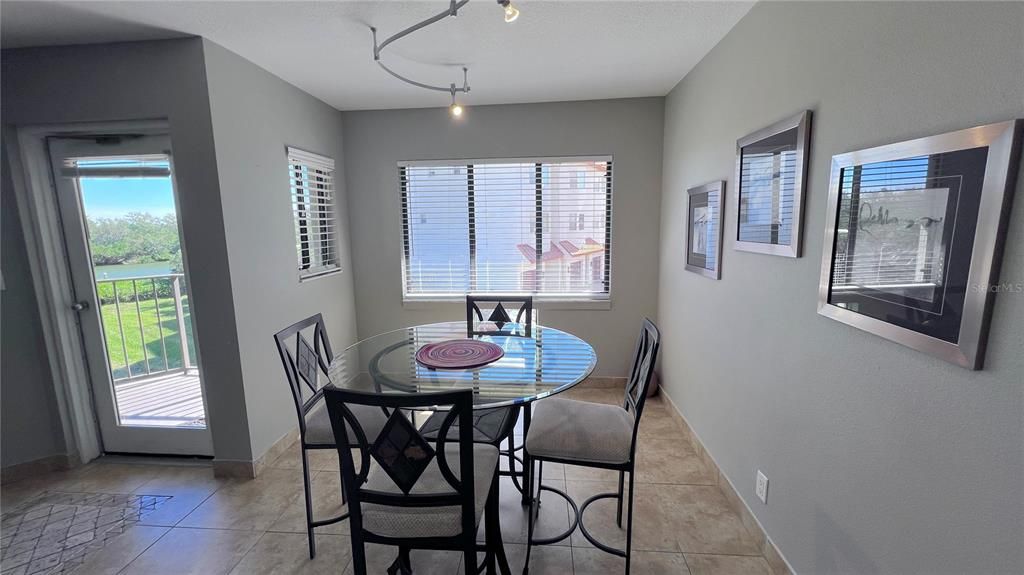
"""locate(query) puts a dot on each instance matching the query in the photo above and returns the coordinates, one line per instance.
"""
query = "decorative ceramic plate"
(458, 354)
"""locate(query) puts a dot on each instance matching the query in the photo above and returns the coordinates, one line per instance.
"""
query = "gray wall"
(630, 130)
(881, 459)
(31, 421)
(150, 80)
(255, 116)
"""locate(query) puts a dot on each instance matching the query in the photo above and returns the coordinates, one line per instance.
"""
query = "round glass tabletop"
(534, 366)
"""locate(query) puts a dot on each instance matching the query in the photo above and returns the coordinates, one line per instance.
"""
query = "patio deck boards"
(164, 400)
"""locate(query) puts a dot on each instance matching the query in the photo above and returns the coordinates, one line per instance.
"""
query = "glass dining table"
(538, 362)
(535, 365)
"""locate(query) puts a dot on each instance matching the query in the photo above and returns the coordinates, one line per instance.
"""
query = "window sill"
(552, 305)
(316, 276)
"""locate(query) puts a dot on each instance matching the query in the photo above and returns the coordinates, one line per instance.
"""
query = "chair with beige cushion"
(413, 493)
(304, 363)
(593, 435)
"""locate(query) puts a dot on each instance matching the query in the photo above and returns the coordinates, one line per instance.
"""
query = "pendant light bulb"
(456, 108)
(511, 12)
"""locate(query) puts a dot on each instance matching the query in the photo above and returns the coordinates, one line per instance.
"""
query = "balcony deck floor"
(172, 399)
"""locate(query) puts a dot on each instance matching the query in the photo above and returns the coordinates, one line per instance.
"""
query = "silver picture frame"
(1003, 143)
(802, 124)
(710, 196)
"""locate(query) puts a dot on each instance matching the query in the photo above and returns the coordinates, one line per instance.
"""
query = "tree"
(135, 238)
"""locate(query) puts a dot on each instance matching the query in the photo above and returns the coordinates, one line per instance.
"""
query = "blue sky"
(115, 197)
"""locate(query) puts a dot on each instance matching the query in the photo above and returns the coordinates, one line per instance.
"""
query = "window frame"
(570, 300)
(306, 237)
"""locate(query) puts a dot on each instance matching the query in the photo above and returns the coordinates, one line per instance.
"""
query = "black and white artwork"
(704, 229)
(771, 165)
(912, 246)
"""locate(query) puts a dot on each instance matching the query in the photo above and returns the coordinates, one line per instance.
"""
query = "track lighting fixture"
(455, 109)
(511, 12)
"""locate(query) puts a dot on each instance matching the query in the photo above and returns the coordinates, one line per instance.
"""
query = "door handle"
(80, 306)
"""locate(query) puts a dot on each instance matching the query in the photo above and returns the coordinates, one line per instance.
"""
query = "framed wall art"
(704, 229)
(914, 236)
(771, 169)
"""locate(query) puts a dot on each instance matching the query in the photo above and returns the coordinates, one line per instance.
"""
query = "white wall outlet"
(761, 487)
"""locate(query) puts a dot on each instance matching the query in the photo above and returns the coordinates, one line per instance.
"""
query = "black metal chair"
(409, 494)
(494, 426)
(499, 316)
(593, 435)
(303, 365)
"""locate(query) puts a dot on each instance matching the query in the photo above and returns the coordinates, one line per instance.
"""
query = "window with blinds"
(539, 226)
(311, 179)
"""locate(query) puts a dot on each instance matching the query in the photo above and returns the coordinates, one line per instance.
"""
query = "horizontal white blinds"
(311, 179)
(539, 226)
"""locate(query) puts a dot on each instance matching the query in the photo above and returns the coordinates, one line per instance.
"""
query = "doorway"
(118, 209)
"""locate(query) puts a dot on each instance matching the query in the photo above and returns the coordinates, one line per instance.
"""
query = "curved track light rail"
(452, 88)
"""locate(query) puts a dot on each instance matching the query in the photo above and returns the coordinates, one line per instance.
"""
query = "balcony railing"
(146, 322)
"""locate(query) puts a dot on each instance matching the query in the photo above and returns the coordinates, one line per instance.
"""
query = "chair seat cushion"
(489, 425)
(318, 424)
(417, 522)
(580, 431)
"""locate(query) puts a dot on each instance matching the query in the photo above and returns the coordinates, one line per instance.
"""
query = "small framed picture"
(771, 169)
(913, 237)
(704, 229)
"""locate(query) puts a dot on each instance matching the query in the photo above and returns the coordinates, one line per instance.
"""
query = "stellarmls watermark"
(1002, 287)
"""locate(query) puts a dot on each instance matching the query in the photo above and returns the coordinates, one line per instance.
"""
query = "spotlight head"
(455, 110)
(511, 12)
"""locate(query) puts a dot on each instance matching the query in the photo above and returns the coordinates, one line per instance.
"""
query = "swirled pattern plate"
(458, 354)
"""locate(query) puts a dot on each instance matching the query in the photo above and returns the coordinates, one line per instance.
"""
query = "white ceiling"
(565, 50)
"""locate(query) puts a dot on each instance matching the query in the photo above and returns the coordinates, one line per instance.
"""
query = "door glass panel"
(129, 209)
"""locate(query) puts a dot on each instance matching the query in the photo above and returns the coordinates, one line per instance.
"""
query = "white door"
(119, 215)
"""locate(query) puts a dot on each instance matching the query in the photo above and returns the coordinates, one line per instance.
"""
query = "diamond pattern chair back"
(499, 313)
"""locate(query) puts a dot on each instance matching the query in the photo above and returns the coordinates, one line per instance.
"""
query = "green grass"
(146, 344)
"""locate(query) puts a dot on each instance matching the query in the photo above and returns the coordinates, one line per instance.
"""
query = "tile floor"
(198, 524)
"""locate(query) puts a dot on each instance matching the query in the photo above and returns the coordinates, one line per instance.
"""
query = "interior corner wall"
(256, 115)
(147, 81)
(881, 459)
(30, 417)
(630, 130)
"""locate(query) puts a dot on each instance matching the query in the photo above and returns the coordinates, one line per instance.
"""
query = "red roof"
(568, 246)
(530, 254)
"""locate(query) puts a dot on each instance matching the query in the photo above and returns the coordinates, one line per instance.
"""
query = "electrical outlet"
(761, 487)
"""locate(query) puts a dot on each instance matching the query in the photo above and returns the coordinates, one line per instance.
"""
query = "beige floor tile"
(552, 471)
(657, 423)
(726, 565)
(319, 459)
(705, 522)
(15, 493)
(379, 557)
(553, 517)
(589, 561)
(194, 552)
(544, 560)
(253, 504)
(671, 461)
(653, 524)
(121, 550)
(326, 504)
(610, 396)
(582, 473)
(102, 477)
(288, 554)
(188, 487)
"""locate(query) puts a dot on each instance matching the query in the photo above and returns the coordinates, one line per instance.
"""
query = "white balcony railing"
(146, 325)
